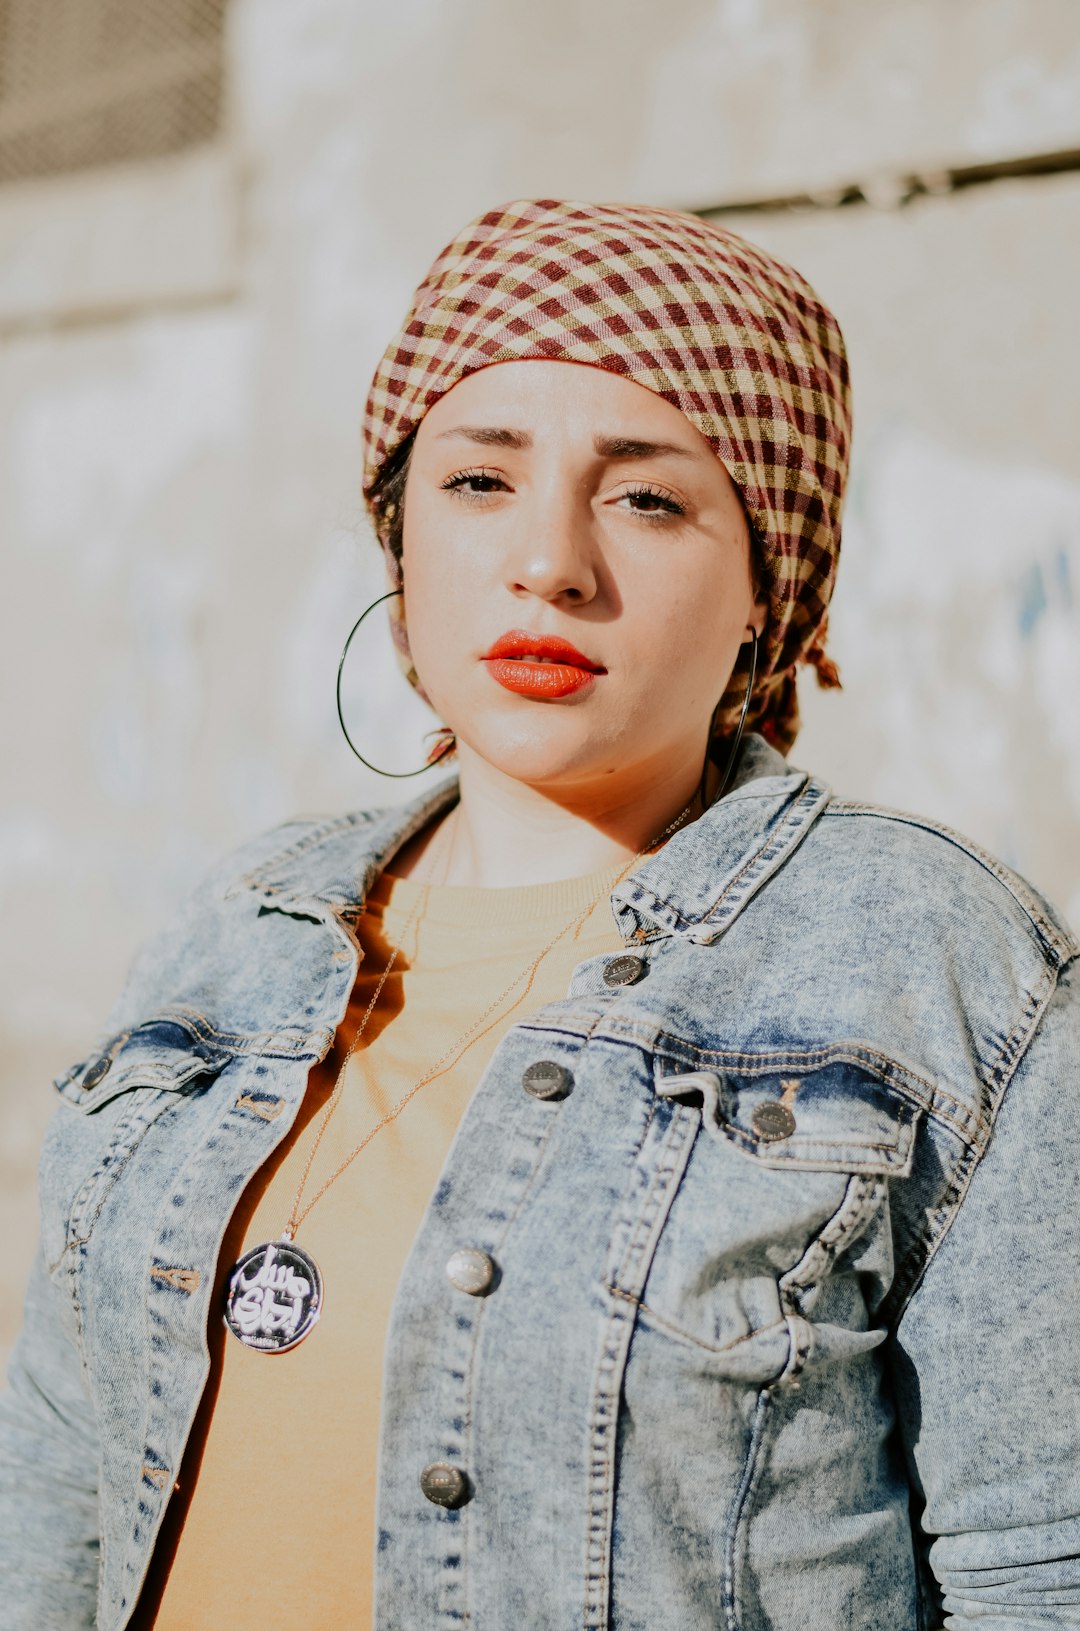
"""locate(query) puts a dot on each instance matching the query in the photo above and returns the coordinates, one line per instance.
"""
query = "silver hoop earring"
(739, 730)
(439, 750)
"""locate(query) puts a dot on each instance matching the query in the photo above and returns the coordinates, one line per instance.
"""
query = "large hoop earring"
(739, 730)
(439, 750)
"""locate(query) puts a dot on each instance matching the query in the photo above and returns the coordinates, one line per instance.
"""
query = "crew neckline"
(473, 906)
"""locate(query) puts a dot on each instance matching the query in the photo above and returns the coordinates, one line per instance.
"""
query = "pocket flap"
(836, 1115)
(158, 1054)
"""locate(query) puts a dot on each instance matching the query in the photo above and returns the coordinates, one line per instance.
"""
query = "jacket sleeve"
(48, 1476)
(49, 1453)
(988, 1358)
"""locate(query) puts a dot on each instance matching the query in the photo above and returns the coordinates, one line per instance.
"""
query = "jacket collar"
(708, 871)
(694, 887)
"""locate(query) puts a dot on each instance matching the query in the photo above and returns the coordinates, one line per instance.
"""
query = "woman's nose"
(551, 553)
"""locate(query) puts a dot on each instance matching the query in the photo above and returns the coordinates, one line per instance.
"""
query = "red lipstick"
(539, 665)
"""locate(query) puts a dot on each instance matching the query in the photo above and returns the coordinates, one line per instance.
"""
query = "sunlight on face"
(577, 574)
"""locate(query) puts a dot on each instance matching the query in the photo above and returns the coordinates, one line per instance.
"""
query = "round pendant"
(274, 1298)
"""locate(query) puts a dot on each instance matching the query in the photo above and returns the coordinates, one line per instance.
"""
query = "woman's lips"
(539, 665)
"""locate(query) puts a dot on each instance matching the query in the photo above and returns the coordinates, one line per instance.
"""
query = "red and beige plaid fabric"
(732, 337)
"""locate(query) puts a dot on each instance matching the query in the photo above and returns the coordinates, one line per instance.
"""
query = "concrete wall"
(185, 348)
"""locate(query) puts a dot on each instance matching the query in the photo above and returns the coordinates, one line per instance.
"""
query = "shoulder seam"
(314, 830)
(1059, 942)
(940, 1221)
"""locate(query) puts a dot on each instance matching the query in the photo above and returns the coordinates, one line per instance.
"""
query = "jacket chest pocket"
(110, 1103)
(784, 1199)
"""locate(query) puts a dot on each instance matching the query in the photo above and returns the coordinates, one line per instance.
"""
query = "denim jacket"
(784, 1328)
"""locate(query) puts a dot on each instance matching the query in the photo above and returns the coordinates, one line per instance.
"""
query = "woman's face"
(548, 502)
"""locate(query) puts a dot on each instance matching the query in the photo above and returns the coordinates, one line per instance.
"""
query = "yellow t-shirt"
(282, 1460)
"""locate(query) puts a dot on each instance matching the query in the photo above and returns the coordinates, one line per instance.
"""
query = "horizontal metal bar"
(892, 191)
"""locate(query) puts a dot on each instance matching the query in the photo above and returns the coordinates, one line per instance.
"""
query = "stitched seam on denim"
(310, 897)
(741, 1502)
(635, 1156)
(801, 1333)
(791, 828)
(906, 1279)
(768, 1062)
(576, 1034)
(670, 1328)
(126, 1125)
(168, 1103)
(900, 1078)
(98, 1611)
(540, 1141)
(1010, 1051)
(155, 1363)
(1064, 945)
(754, 792)
(198, 1026)
(602, 1443)
(835, 1155)
(468, 1389)
(648, 1202)
(153, 1520)
(786, 833)
(859, 1202)
(907, 1275)
(840, 1141)
(71, 1274)
(149, 1074)
(353, 820)
(661, 1045)
(110, 1043)
(642, 893)
(195, 1022)
(671, 1157)
(680, 1134)
(246, 1041)
(664, 1044)
(940, 1222)
(320, 833)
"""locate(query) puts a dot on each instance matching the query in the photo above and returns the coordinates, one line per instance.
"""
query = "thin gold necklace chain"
(297, 1217)
(458, 1047)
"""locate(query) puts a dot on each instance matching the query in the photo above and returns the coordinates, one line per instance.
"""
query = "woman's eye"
(653, 501)
(473, 483)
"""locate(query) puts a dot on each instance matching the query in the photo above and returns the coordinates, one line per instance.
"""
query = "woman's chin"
(541, 756)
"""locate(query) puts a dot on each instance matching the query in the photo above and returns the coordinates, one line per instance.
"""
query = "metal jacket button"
(624, 970)
(444, 1484)
(772, 1121)
(96, 1072)
(470, 1270)
(546, 1079)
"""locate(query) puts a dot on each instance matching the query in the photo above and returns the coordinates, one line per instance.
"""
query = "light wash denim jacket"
(824, 1379)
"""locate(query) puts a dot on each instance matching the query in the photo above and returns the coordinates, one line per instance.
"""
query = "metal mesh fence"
(85, 83)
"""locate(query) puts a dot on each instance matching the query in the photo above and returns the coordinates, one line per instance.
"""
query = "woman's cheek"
(686, 651)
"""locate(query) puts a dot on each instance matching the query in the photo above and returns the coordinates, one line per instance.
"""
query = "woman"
(675, 1205)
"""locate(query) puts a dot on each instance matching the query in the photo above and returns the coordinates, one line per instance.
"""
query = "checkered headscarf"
(733, 338)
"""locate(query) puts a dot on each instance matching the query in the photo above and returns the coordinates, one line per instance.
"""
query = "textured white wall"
(184, 354)
(956, 620)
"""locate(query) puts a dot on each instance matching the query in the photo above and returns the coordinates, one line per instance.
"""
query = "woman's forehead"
(521, 403)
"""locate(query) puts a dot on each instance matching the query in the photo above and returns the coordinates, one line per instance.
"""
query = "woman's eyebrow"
(632, 447)
(488, 435)
(608, 447)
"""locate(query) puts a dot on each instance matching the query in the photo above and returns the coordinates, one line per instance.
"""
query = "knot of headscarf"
(731, 336)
